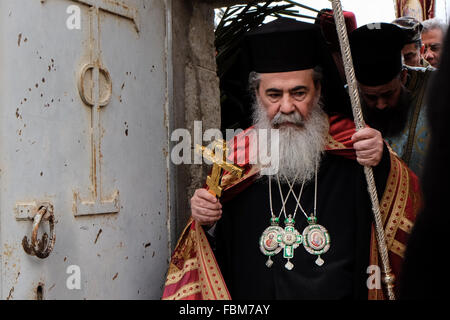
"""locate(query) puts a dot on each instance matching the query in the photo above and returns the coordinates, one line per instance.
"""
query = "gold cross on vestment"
(217, 155)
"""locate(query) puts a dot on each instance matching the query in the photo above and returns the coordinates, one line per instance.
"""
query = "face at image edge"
(432, 40)
(288, 92)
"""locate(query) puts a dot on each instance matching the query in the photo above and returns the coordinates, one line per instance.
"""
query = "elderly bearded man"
(304, 232)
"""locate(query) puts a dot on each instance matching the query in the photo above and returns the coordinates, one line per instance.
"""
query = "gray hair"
(254, 79)
(432, 24)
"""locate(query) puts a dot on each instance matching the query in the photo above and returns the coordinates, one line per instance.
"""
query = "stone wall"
(196, 95)
(195, 91)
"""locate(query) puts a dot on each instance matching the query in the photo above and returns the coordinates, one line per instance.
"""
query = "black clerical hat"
(377, 52)
(285, 45)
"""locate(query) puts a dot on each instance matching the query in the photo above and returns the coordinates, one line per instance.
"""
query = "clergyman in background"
(432, 37)
(413, 49)
(392, 93)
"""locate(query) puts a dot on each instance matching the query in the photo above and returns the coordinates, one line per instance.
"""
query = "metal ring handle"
(41, 248)
(36, 222)
(81, 90)
(86, 99)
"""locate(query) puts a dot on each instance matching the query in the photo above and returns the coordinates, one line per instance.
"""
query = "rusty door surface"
(83, 149)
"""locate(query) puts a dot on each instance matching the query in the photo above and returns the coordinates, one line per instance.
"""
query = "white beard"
(300, 147)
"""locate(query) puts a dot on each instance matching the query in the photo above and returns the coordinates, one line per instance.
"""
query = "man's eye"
(299, 94)
(387, 94)
(274, 95)
(435, 47)
(371, 97)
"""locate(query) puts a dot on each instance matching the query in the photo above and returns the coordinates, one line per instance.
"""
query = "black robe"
(343, 208)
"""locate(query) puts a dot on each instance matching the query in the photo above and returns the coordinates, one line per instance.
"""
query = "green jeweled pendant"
(316, 239)
(268, 241)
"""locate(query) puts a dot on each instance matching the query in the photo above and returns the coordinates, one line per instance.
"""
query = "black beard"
(390, 121)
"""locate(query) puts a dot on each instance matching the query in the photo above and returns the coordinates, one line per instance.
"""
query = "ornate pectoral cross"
(289, 240)
(217, 155)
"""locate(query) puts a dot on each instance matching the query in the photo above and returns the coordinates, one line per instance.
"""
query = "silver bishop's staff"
(388, 276)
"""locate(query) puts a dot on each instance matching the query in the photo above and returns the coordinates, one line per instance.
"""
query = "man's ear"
(318, 86)
(256, 93)
(422, 49)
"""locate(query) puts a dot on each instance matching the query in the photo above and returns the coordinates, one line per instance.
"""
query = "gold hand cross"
(217, 155)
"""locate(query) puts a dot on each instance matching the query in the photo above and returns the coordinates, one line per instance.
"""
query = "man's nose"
(428, 54)
(287, 105)
(381, 103)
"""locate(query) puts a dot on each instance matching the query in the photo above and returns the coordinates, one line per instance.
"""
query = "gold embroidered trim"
(210, 283)
(333, 144)
(398, 209)
(391, 150)
(185, 291)
(391, 187)
(406, 225)
(398, 248)
(208, 273)
(189, 265)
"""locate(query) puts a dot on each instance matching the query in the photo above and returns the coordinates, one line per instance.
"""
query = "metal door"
(83, 120)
